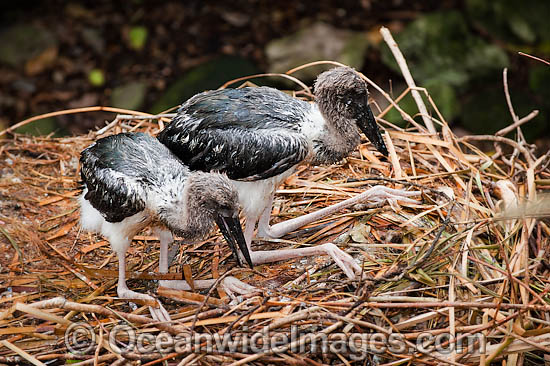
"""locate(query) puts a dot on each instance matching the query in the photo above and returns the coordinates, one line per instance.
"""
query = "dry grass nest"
(469, 260)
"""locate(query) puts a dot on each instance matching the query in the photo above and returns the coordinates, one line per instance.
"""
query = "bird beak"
(233, 234)
(367, 124)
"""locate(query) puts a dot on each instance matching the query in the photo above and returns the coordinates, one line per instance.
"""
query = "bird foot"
(158, 313)
(343, 260)
(378, 194)
(232, 286)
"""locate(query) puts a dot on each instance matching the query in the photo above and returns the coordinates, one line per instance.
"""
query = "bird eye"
(345, 99)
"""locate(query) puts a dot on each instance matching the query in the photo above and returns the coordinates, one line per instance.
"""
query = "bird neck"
(333, 113)
(338, 139)
(345, 131)
(182, 211)
(198, 220)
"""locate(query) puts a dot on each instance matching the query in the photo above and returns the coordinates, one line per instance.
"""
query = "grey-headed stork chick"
(132, 181)
(258, 136)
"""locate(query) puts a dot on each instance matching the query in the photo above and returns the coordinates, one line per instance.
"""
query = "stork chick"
(258, 136)
(132, 181)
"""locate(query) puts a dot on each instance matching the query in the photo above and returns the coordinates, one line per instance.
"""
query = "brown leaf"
(64, 230)
(188, 275)
(41, 62)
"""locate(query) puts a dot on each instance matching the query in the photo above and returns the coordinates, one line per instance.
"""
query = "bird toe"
(343, 260)
(233, 286)
(160, 314)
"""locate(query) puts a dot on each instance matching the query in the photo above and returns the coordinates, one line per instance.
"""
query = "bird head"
(341, 94)
(213, 195)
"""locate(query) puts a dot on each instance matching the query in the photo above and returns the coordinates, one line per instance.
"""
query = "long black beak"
(231, 230)
(367, 124)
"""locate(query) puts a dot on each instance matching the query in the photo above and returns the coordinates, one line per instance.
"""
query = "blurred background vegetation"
(152, 55)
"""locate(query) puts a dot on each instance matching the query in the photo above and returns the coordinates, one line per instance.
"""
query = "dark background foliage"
(152, 55)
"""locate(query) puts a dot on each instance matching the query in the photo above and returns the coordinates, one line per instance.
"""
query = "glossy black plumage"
(111, 165)
(249, 133)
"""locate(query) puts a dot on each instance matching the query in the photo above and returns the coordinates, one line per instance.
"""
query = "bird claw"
(343, 260)
(379, 194)
(158, 313)
(232, 286)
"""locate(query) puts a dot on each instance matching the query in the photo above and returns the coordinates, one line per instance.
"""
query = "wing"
(113, 192)
(249, 133)
(242, 154)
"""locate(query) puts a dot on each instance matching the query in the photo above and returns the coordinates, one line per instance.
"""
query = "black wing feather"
(117, 170)
(248, 133)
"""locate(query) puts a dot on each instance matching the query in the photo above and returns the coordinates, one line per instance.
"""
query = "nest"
(460, 278)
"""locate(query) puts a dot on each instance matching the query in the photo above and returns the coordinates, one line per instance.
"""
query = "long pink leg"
(166, 238)
(159, 313)
(376, 194)
(342, 259)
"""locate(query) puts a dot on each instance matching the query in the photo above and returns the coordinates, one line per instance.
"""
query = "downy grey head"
(342, 97)
(211, 197)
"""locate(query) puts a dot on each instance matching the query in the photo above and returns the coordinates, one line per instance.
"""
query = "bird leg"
(251, 225)
(231, 285)
(166, 238)
(264, 229)
(159, 313)
(376, 195)
(341, 258)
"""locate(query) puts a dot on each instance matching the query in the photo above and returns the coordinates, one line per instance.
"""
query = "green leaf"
(70, 362)
(539, 79)
(444, 97)
(440, 46)
(137, 37)
(209, 75)
(96, 77)
(522, 29)
(478, 182)
(408, 105)
(41, 127)
(129, 96)
(485, 165)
